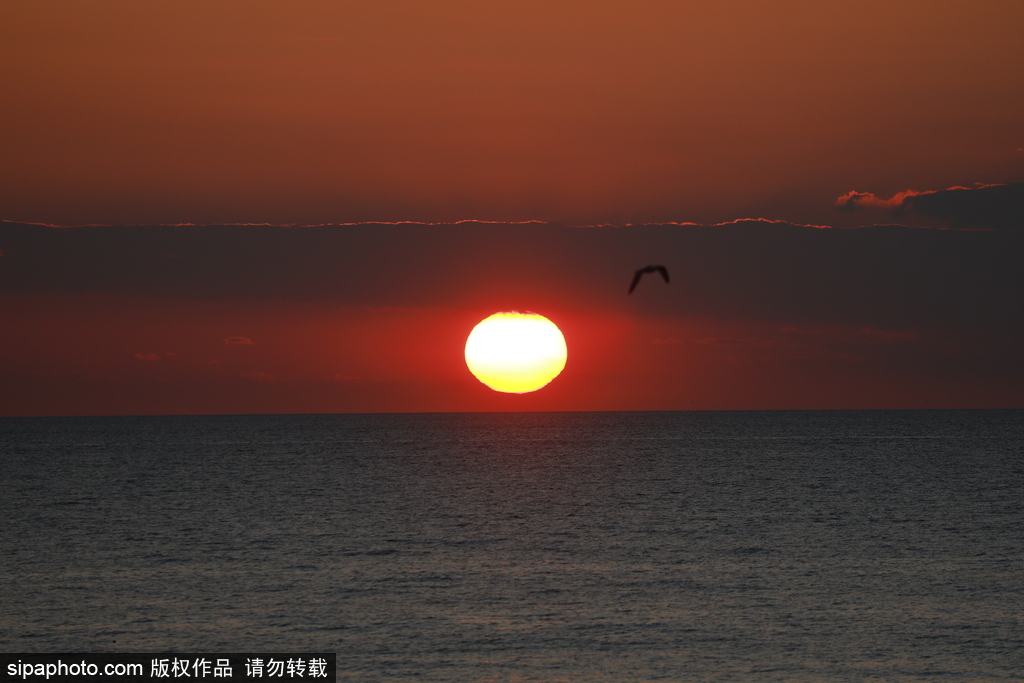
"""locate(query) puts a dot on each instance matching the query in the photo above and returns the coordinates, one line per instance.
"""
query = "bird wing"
(636, 279)
(664, 272)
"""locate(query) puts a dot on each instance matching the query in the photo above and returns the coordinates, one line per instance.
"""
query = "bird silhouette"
(648, 269)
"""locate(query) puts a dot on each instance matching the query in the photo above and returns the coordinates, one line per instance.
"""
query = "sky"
(270, 207)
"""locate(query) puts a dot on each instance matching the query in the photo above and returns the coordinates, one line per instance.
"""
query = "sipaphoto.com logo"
(60, 669)
(163, 667)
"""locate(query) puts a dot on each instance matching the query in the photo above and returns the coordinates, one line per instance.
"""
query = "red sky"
(574, 114)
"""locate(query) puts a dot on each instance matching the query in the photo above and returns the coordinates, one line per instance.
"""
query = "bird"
(647, 269)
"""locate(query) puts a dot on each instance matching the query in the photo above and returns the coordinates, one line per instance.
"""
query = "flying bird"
(648, 269)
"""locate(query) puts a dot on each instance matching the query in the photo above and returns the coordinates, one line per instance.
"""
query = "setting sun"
(515, 352)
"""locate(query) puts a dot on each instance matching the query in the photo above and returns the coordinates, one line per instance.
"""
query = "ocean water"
(724, 546)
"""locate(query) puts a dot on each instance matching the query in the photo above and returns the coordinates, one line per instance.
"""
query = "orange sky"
(571, 113)
(567, 111)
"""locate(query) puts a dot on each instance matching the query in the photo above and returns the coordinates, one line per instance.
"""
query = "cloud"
(737, 342)
(984, 206)
(238, 341)
(866, 334)
(887, 336)
(851, 201)
(989, 206)
(147, 356)
(263, 377)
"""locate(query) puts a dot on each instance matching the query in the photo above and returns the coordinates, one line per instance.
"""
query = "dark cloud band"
(986, 206)
(882, 275)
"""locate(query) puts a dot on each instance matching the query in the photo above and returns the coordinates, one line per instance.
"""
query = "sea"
(584, 547)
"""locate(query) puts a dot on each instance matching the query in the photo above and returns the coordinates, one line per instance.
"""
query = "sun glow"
(515, 352)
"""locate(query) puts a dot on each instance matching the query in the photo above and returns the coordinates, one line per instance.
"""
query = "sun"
(515, 352)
